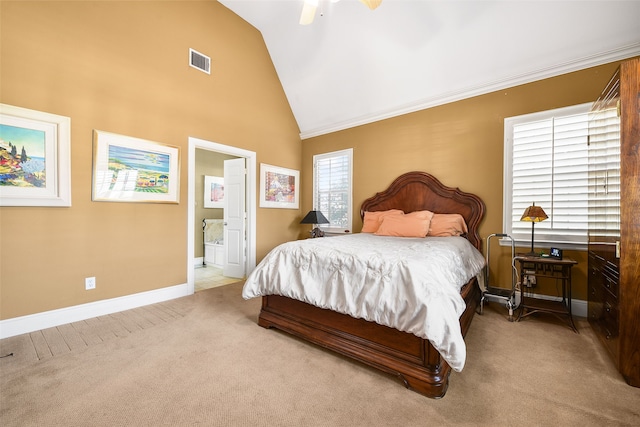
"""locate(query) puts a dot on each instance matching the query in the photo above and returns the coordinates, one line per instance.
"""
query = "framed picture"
(555, 253)
(127, 169)
(213, 192)
(279, 187)
(35, 158)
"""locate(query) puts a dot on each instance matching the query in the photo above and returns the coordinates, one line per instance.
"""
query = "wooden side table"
(558, 269)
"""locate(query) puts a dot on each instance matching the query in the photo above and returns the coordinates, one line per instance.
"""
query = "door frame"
(250, 197)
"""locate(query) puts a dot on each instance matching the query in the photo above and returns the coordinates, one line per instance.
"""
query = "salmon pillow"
(403, 226)
(372, 220)
(421, 214)
(443, 225)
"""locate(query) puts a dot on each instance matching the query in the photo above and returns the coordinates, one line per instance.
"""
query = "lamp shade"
(371, 4)
(534, 214)
(314, 217)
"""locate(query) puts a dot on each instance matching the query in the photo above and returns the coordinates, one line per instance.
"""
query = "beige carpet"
(206, 362)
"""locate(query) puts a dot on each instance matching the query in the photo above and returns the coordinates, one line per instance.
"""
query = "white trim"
(251, 196)
(63, 316)
(579, 308)
(621, 53)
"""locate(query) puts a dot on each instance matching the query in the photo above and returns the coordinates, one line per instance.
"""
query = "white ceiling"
(353, 66)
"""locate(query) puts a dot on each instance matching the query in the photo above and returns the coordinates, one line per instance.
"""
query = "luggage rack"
(495, 293)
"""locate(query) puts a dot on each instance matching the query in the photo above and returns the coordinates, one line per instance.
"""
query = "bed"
(419, 362)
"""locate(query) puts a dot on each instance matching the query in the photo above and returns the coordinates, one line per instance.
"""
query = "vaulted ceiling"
(353, 65)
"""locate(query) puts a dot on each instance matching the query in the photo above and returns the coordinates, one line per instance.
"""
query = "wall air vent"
(199, 61)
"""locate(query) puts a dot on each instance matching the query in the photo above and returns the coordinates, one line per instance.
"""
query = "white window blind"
(604, 171)
(332, 189)
(546, 163)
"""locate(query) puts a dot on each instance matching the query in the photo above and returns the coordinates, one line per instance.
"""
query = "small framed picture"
(555, 253)
(213, 192)
(279, 187)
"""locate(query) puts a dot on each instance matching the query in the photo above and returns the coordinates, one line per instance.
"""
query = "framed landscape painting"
(35, 158)
(127, 169)
(279, 187)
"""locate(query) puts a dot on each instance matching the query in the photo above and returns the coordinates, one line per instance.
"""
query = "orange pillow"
(443, 225)
(403, 226)
(421, 214)
(372, 220)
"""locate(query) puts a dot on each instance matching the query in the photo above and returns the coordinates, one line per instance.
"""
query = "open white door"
(234, 218)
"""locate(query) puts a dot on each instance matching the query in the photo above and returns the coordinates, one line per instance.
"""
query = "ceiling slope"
(353, 66)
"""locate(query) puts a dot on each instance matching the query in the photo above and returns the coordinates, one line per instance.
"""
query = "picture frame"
(279, 187)
(213, 192)
(555, 253)
(44, 140)
(128, 169)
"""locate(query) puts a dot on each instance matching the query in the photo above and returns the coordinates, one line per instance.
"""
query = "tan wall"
(461, 144)
(122, 67)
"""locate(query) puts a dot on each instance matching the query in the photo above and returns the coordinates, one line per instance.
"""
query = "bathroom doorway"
(205, 270)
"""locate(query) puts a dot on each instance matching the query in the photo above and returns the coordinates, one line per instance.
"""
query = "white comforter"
(411, 284)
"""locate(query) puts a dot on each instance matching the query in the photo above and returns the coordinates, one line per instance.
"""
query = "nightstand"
(551, 268)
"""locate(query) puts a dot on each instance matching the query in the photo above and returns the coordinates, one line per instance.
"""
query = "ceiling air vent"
(199, 61)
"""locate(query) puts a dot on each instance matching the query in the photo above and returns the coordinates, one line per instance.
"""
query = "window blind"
(547, 163)
(332, 189)
(604, 172)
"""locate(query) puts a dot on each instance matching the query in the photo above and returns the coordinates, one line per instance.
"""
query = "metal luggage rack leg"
(506, 295)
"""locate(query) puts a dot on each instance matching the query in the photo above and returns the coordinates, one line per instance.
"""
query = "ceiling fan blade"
(308, 11)
(371, 4)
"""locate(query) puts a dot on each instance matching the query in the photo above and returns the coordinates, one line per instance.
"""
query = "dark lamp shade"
(534, 214)
(314, 217)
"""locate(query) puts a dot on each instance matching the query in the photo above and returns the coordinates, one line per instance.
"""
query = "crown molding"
(602, 58)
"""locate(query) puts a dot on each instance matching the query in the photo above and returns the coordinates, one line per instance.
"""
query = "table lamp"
(533, 214)
(315, 217)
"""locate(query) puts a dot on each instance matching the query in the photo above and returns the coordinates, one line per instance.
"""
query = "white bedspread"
(410, 284)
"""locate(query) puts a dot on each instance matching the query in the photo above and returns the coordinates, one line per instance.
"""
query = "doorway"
(250, 204)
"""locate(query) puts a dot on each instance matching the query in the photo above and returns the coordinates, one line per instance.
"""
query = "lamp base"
(316, 232)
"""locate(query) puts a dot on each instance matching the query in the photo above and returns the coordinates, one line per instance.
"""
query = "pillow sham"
(372, 220)
(421, 214)
(403, 226)
(443, 225)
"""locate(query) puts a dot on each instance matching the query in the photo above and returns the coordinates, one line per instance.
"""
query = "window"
(332, 175)
(546, 162)
(604, 170)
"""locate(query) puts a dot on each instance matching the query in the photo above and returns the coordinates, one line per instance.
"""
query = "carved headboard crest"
(415, 191)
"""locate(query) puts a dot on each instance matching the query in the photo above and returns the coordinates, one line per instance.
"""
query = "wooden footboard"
(413, 359)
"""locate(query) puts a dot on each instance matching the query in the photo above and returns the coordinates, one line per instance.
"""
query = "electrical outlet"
(90, 283)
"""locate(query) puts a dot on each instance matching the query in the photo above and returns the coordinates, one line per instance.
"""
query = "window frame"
(520, 238)
(329, 228)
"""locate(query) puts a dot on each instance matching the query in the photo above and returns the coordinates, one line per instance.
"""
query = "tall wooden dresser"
(614, 219)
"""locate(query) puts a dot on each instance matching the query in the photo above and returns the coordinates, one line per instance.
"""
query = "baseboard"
(50, 319)
(579, 308)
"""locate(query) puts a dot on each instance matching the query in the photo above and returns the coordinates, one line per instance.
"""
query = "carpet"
(211, 364)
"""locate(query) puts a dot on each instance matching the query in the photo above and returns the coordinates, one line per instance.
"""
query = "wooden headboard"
(416, 191)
